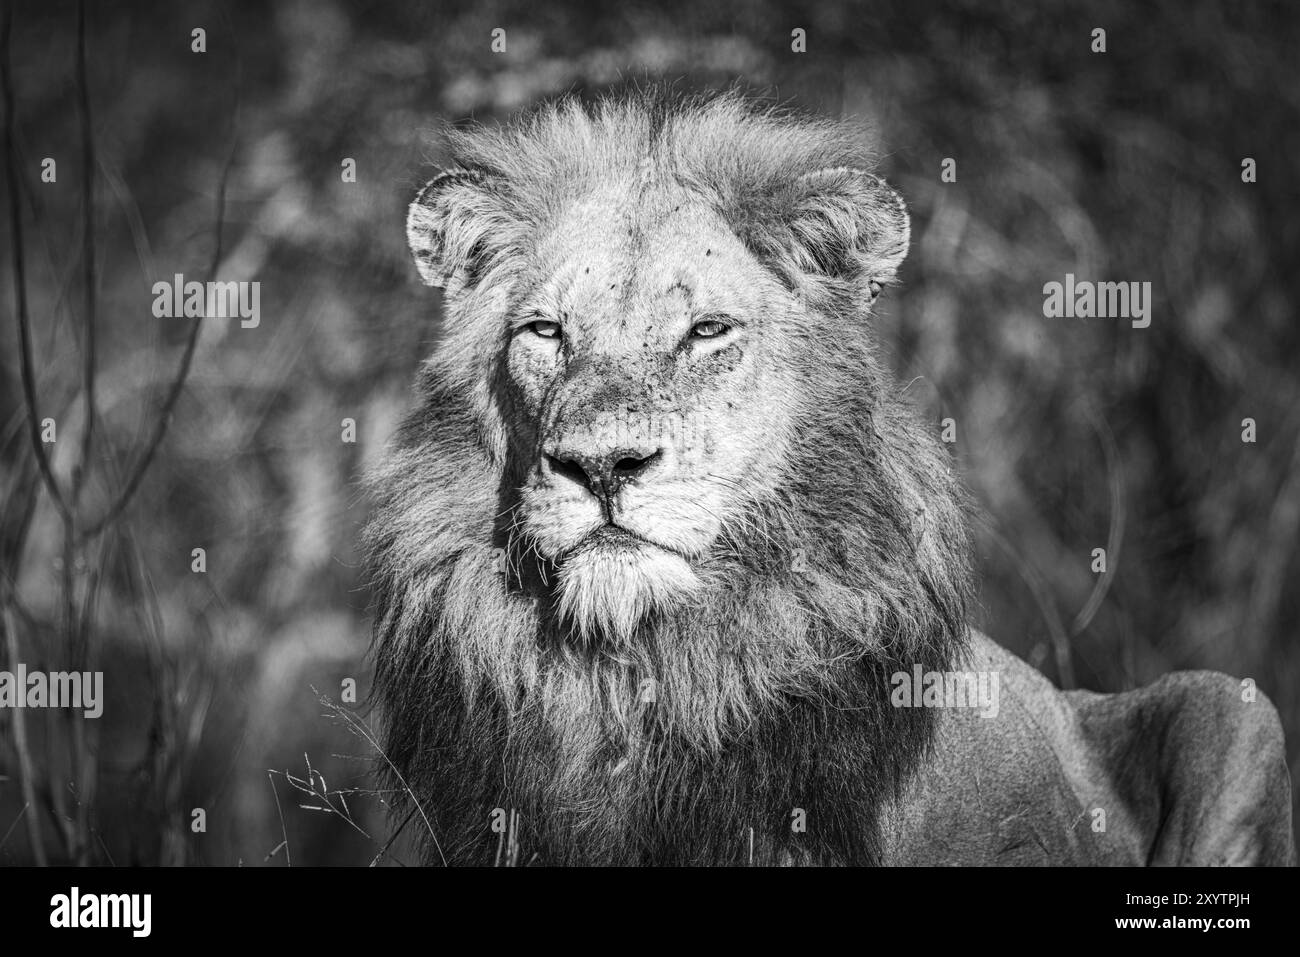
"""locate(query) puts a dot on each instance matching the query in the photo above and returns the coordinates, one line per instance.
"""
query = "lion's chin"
(607, 587)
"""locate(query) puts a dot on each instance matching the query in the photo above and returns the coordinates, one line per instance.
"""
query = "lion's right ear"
(847, 224)
(448, 224)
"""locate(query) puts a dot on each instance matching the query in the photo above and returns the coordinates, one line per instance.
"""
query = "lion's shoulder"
(1187, 770)
(1198, 761)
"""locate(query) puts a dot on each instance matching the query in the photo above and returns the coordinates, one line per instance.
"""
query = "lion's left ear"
(450, 225)
(847, 224)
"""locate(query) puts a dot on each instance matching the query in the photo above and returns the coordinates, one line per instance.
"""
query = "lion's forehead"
(627, 266)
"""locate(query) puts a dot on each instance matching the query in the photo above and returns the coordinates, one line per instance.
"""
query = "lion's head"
(659, 521)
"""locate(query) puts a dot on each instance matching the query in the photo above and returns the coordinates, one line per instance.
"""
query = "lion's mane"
(700, 735)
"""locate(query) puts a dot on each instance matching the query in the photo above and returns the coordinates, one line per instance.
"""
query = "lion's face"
(647, 397)
(626, 316)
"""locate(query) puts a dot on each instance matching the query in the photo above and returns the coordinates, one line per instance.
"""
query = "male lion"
(661, 546)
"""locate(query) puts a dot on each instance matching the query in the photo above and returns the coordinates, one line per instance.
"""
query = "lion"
(666, 572)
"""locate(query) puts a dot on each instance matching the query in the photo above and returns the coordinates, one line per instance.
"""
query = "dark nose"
(602, 475)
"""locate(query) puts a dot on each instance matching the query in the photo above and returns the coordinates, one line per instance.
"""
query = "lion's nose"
(602, 474)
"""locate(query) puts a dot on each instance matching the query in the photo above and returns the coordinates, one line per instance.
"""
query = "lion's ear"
(847, 224)
(448, 224)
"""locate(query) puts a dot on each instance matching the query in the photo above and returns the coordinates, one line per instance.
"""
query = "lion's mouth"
(611, 538)
(617, 536)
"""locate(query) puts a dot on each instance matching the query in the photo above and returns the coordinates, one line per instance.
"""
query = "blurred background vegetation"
(1072, 434)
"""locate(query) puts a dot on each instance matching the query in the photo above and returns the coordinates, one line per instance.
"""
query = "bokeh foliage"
(1072, 434)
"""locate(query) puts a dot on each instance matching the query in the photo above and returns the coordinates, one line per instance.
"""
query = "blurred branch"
(87, 252)
(130, 209)
(1115, 535)
(77, 830)
(20, 276)
(1055, 627)
(178, 383)
(20, 745)
(1277, 552)
(19, 499)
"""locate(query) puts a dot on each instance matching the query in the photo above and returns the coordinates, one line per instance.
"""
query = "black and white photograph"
(649, 436)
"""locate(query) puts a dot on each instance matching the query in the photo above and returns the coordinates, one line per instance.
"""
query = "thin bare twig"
(360, 728)
(284, 832)
(5, 840)
(392, 838)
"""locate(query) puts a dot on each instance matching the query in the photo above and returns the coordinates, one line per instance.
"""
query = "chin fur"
(606, 592)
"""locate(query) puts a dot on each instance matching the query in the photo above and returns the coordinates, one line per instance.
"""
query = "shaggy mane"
(699, 734)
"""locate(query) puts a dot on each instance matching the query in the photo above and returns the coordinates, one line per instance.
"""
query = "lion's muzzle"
(600, 470)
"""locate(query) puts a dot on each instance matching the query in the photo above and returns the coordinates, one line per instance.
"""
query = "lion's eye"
(708, 329)
(544, 328)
